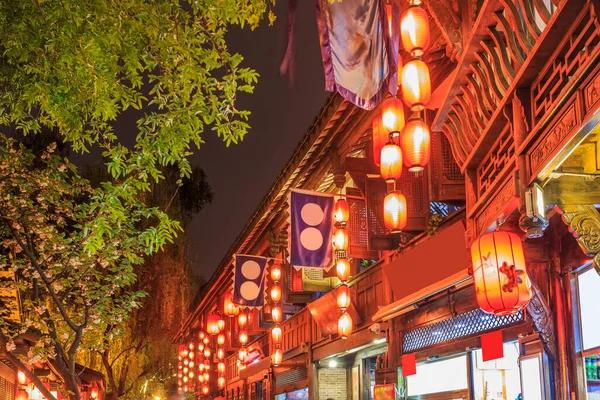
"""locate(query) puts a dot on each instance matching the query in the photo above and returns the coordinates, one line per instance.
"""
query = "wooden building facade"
(515, 117)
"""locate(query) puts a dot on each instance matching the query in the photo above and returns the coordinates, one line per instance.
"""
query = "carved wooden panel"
(497, 159)
(580, 47)
(447, 183)
(504, 199)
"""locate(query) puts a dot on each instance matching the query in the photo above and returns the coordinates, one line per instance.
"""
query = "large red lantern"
(229, 308)
(502, 286)
(276, 314)
(394, 211)
(341, 211)
(391, 162)
(415, 142)
(414, 30)
(221, 324)
(21, 378)
(22, 395)
(380, 139)
(340, 239)
(416, 85)
(342, 269)
(392, 116)
(212, 324)
(345, 325)
(343, 297)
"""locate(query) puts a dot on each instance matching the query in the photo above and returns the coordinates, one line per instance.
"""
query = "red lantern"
(392, 116)
(276, 335)
(416, 85)
(201, 347)
(341, 211)
(340, 239)
(242, 354)
(276, 293)
(179, 390)
(221, 339)
(191, 355)
(221, 324)
(342, 269)
(206, 340)
(200, 378)
(201, 335)
(391, 162)
(502, 286)
(394, 211)
(22, 395)
(205, 390)
(276, 314)
(229, 308)
(185, 379)
(242, 319)
(243, 337)
(191, 364)
(221, 382)
(277, 357)
(220, 354)
(21, 378)
(212, 324)
(275, 272)
(207, 365)
(180, 365)
(182, 350)
(343, 297)
(345, 325)
(380, 138)
(191, 374)
(206, 376)
(221, 367)
(207, 352)
(414, 31)
(415, 141)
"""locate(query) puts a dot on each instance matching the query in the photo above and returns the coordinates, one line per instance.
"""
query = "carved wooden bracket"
(448, 20)
(542, 319)
(584, 223)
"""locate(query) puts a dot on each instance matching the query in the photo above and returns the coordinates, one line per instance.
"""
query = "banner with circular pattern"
(249, 280)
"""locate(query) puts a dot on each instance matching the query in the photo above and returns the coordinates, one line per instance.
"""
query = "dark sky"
(241, 174)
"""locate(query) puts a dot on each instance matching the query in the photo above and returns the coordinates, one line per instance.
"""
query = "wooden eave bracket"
(583, 222)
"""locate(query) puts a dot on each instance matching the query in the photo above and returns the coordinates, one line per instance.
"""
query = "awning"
(326, 313)
(258, 367)
(435, 264)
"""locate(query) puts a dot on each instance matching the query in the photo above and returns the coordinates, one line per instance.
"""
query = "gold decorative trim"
(584, 223)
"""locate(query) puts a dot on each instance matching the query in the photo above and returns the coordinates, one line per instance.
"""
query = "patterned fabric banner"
(356, 54)
(249, 281)
(311, 222)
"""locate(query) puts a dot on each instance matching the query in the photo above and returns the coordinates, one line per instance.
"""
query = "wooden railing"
(296, 330)
(231, 367)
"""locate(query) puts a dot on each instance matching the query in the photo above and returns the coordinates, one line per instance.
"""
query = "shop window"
(497, 379)
(531, 376)
(448, 376)
(589, 282)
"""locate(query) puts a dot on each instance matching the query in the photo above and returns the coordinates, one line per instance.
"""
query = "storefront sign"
(385, 392)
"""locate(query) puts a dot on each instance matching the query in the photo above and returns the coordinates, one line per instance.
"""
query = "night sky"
(241, 174)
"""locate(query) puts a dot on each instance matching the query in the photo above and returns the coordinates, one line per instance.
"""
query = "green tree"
(74, 282)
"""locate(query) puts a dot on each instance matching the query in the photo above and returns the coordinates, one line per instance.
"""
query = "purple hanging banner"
(356, 54)
(249, 280)
(311, 222)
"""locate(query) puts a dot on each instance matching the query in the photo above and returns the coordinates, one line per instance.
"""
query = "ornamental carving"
(584, 223)
(496, 206)
(543, 322)
(553, 138)
(592, 93)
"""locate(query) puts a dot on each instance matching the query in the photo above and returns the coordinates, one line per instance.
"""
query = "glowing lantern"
(180, 375)
(206, 376)
(394, 211)
(21, 377)
(186, 362)
(185, 389)
(243, 337)
(201, 367)
(185, 379)
(180, 365)
(185, 370)
(201, 347)
(207, 352)
(228, 307)
(200, 378)
(191, 365)
(341, 211)
(205, 389)
(392, 116)
(242, 354)
(179, 390)
(340, 239)
(220, 354)
(502, 286)
(343, 297)
(22, 395)
(206, 340)
(182, 350)
(391, 162)
(380, 138)
(191, 346)
(212, 324)
(276, 293)
(342, 269)
(415, 141)
(416, 85)
(275, 272)
(276, 314)
(242, 319)
(207, 365)
(191, 374)
(94, 392)
(221, 324)
(201, 335)
(277, 357)
(221, 367)
(276, 334)
(345, 326)
(221, 382)
(414, 31)
(191, 355)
